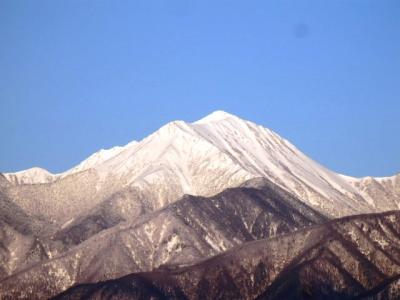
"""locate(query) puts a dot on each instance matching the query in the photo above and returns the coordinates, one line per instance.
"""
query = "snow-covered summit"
(215, 117)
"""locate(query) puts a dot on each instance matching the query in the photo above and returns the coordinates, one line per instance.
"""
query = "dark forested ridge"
(351, 258)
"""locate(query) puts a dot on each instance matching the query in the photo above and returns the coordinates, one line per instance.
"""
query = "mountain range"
(220, 208)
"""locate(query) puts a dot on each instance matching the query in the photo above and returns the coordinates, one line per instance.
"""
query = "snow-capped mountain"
(214, 153)
(124, 210)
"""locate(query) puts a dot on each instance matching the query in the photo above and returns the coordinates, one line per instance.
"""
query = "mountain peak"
(36, 171)
(31, 176)
(215, 116)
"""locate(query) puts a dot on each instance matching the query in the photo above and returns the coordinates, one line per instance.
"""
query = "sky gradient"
(78, 76)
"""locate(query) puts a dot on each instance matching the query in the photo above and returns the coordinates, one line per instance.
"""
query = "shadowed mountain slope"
(22, 238)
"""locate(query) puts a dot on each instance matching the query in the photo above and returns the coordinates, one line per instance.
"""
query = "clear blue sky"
(77, 76)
